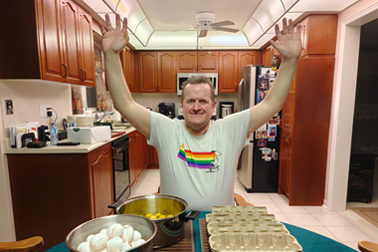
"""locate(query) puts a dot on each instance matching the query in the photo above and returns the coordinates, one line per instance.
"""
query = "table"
(310, 241)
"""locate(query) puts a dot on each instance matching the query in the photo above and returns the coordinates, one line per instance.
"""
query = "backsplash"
(28, 95)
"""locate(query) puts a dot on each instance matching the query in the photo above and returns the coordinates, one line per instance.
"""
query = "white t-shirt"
(199, 169)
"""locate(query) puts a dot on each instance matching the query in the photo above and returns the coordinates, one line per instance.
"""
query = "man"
(198, 156)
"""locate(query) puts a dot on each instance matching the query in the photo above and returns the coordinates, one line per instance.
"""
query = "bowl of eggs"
(119, 232)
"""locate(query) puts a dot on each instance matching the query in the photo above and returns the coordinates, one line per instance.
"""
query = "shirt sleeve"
(236, 126)
(162, 129)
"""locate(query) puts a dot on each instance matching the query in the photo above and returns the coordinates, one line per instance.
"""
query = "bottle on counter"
(54, 139)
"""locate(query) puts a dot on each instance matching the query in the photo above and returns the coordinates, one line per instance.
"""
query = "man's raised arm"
(289, 45)
(113, 41)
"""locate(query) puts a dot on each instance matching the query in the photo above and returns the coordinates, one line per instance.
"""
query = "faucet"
(98, 118)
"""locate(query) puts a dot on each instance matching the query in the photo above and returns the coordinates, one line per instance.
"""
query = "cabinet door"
(318, 41)
(288, 108)
(153, 159)
(50, 41)
(248, 58)
(167, 72)
(148, 72)
(132, 157)
(101, 180)
(128, 65)
(228, 72)
(87, 67)
(186, 61)
(71, 42)
(208, 62)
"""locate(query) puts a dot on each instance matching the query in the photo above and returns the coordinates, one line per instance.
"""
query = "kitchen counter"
(81, 148)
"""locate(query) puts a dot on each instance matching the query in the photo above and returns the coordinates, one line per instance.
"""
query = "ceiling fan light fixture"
(205, 18)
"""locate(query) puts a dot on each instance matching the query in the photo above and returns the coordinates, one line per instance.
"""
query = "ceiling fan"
(205, 22)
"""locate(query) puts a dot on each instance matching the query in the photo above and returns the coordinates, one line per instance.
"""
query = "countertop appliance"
(225, 108)
(182, 77)
(121, 169)
(167, 108)
(258, 166)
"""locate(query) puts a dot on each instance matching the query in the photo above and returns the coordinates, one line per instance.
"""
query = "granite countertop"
(81, 148)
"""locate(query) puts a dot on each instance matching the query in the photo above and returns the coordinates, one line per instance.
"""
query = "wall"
(348, 33)
(26, 97)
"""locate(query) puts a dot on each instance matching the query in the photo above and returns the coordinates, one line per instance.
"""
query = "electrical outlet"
(43, 110)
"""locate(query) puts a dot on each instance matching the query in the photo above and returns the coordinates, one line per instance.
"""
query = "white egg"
(115, 230)
(89, 237)
(114, 244)
(137, 242)
(128, 233)
(84, 247)
(137, 235)
(126, 246)
(105, 232)
(98, 242)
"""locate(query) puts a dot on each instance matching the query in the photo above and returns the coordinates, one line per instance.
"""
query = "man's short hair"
(199, 79)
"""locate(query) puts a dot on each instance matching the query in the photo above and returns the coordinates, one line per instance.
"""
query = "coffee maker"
(225, 108)
(167, 108)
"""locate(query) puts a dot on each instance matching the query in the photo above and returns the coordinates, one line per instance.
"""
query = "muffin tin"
(247, 229)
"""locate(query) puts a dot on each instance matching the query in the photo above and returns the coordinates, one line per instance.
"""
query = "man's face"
(197, 107)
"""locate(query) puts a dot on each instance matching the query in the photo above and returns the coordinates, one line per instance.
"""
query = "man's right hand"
(114, 40)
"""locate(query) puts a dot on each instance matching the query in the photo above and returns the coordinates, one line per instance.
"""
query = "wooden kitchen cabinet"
(186, 61)
(129, 68)
(248, 58)
(54, 193)
(138, 155)
(167, 80)
(305, 123)
(208, 62)
(148, 72)
(153, 159)
(228, 78)
(56, 42)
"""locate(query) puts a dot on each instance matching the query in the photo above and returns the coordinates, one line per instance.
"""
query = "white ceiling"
(165, 24)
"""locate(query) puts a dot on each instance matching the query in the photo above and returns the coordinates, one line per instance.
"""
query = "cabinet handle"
(64, 69)
(83, 74)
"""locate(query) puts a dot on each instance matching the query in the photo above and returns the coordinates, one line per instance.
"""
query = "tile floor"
(345, 227)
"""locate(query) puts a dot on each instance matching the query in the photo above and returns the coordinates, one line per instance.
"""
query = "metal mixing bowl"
(146, 227)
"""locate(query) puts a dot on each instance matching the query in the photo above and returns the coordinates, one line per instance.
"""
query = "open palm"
(114, 39)
(288, 42)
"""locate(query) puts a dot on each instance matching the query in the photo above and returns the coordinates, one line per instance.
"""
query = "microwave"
(182, 77)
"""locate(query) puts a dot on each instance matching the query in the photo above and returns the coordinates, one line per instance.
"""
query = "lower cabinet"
(54, 193)
(138, 155)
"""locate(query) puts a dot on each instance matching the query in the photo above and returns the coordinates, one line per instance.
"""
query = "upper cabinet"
(228, 72)
(186, 61)
(129, 68)
(147, 72)
(208, 62)
(166, 72)
(54, 42)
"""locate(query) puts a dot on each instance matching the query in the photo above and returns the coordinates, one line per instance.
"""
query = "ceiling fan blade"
(203, 33)
(223, 23)
(224, 29)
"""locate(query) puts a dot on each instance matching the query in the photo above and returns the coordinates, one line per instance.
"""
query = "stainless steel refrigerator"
(258, 165)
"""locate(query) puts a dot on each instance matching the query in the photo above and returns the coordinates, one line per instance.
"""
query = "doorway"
(365, 119)
(343, 101)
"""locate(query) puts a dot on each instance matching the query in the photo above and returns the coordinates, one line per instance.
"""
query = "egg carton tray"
(247, 228)
(253, 242)
(216, 228)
